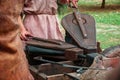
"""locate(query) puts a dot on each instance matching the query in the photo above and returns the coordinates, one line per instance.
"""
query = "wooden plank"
(43, 44)
(72, 54)
(56, 77)
(51, 69)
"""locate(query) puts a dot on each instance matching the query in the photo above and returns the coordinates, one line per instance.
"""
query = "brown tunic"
(13, 64)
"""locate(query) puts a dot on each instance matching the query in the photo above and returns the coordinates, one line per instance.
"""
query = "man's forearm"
(22, 28)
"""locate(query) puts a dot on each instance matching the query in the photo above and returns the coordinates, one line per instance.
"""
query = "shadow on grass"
(97, 8)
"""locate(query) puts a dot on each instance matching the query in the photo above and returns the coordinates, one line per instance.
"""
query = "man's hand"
(71, 3)
(24, 35)
(74, 3)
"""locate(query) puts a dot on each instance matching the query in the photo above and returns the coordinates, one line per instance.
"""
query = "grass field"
(107, 20)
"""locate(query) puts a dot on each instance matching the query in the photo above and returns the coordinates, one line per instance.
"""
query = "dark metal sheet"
(71, 26)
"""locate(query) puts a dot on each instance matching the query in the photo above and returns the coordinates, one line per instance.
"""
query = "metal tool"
(66, 65)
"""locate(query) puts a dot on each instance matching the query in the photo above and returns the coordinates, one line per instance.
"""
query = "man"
(13, 64)
(40, 19)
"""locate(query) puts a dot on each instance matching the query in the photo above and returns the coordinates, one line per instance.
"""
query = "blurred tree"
(61, 6)
(103, 4)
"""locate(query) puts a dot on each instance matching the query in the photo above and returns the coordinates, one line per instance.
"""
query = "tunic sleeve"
(40, 7)
(62, 1)
(28, 6)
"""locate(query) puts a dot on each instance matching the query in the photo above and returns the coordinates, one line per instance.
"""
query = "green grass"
(107, 20)
(112, 18)
(108, 35)
(97, 2)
